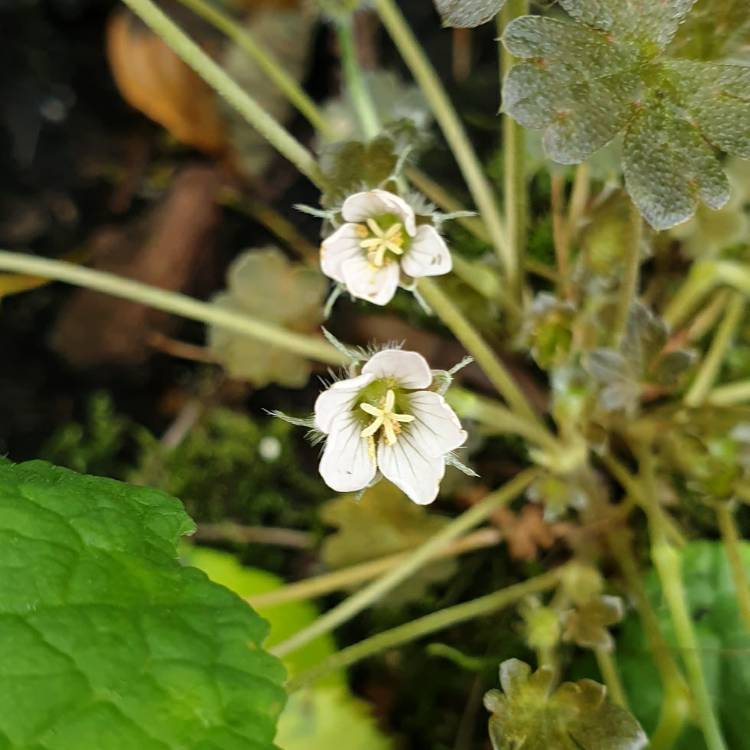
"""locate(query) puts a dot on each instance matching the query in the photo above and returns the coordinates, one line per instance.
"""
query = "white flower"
(378, 242)
(384, 420)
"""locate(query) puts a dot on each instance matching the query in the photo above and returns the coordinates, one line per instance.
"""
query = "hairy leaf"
(584, 83)
(465, 14)
(532, 715)
(106, 640)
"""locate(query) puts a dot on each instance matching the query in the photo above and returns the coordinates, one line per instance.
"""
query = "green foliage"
(585, 82)
(724, 642)
(468, 13)
(318, 718)
(715, 30)
(105, 640)
(263, 283)
(531, 714)
(383, 522)
(588, 624)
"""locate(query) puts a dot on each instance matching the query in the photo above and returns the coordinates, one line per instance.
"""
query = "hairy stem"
(560, 233)
(172, 302)
(456, 321)
(355, 83)
(426, 625)
(628, 291)
(731, 538)
(515, 193)
(264, 60)
(367, 596)
(711, 364)
(327, 583)
(455, 134)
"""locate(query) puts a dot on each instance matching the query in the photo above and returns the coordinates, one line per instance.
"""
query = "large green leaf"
(724, 643)
(106, 641)
(585, 82)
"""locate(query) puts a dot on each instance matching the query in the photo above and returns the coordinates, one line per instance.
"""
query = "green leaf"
(532, 715)
(585, 82)
(723, 639)
(588, 624)
(464, 14)
(106, 640)
(318, 718)
(263, 283)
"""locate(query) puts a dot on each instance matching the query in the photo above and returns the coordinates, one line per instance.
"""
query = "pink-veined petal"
(435, 429)
(428, 255)
(346, 464)
(364, 281)
(410, 470)
(410, 369)
(339, 398)
(341, 246)
(373, 203)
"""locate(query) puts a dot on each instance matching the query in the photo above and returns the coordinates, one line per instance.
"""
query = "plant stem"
(355, 84)
(606, 662)
(675, 708)
(515, 193)
(709, 369)
(668, 567)
(731, 538)
(454, 132)
(264, 60)
(227, 531)
(498, 419)
(226, 87)
(416, 560)
(560, 234)
(172, 302)
(454, 319)
(730, 394)
(628, 290)
(327, 583)
(700, 280)
(425, 626)
(579, 197)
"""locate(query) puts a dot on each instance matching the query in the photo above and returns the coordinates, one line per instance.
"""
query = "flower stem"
(561, 235)
(454, 319)
(455, 134)
(628, 291)
(730, 394)
(226, 87)
(353, 575)
(668, 567)
(608, 668)
(700, 280)
(731, 538)
(172, 302)
(495, 417)
(709, 369)
(426, 625)
(355, 83)
(423, 554)
(264, 60)
(515, 192)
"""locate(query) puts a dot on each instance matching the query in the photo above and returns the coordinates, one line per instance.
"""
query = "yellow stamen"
(384, 418)
(377, 242)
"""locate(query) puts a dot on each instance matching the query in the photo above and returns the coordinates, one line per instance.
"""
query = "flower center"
(385, 419)
(378, 242)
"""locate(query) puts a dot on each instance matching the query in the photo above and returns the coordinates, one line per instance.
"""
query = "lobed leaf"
(465, 14)
(584, 83)
(106, 640)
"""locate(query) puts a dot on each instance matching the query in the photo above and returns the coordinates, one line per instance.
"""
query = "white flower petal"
(428, 254)
(346, 465)
(376, 285)
(435, 429)
(410, 369)
(342, 245)
(410, 470)
(338, 399)
(373, 203)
